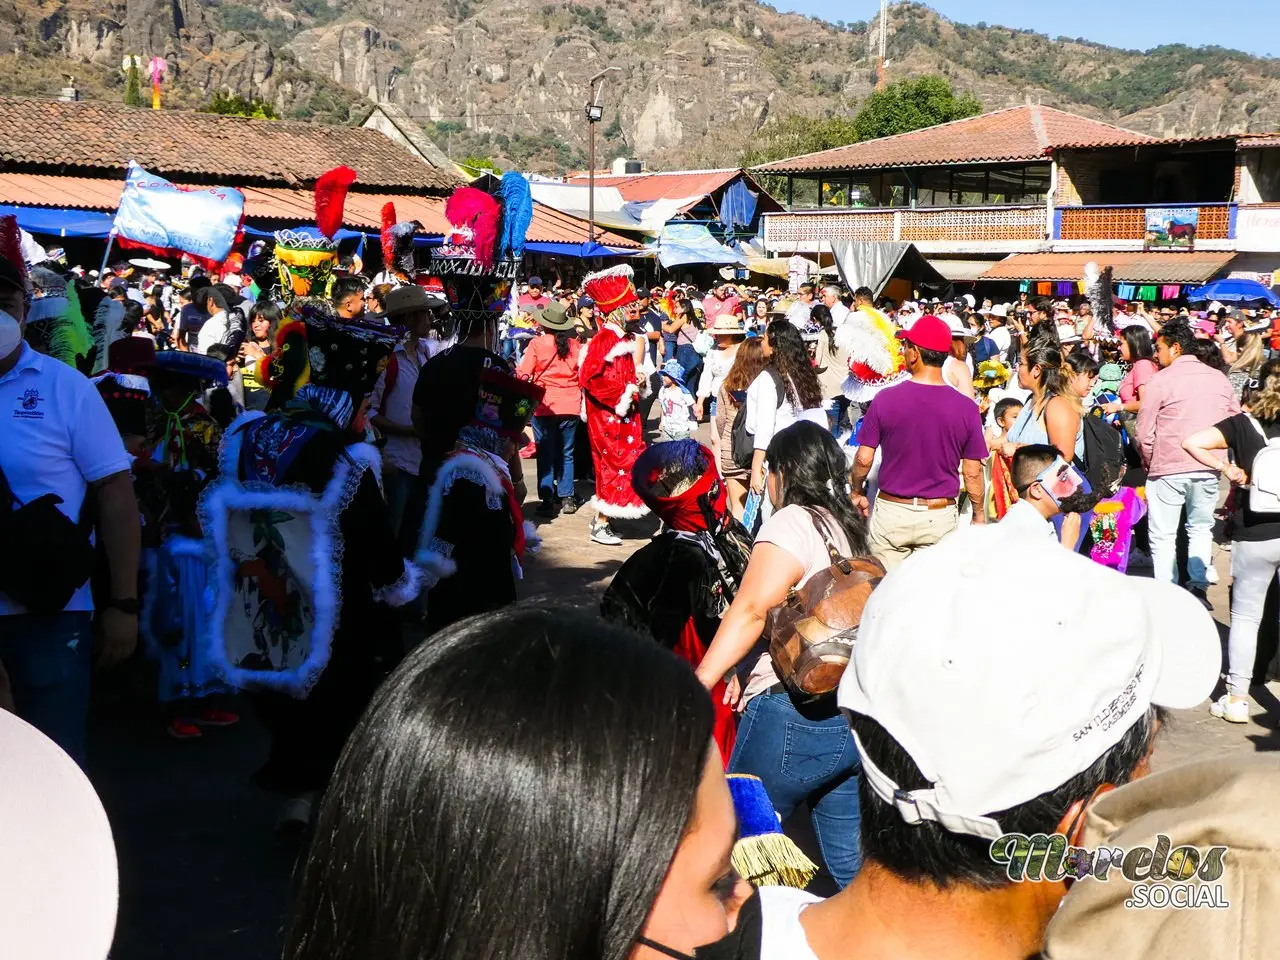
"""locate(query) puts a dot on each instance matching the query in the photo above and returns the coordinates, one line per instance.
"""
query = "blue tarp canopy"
(1234, 291)
(60, 222)
(738, 205)
(582, 250)
(68, 222)
(681, 243)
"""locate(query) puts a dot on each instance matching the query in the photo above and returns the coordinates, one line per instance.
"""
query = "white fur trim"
(618, 512)
(228, 494)
(430, 554)
(620, 270)
(404, 590)
(623, 348)
(129, 381)
(629, 393)
(614, 328)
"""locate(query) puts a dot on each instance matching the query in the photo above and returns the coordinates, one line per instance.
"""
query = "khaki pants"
(898, 530)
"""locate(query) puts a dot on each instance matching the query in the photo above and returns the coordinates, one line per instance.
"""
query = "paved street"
(203, 876)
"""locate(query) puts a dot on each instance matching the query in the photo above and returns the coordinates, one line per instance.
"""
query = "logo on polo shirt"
(29, 406)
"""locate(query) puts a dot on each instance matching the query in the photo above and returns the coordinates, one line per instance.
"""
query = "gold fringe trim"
(773, 860)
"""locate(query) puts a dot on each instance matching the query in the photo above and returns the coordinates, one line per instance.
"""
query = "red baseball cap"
(928, 333)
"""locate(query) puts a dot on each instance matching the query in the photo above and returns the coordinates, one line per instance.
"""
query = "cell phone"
(1061, 480)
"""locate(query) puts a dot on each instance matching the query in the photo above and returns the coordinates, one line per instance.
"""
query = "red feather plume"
(472, 207)
(331, 196)
(388, 244)
(11, 245)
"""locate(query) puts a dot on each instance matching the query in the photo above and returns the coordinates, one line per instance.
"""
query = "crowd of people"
(266, 470)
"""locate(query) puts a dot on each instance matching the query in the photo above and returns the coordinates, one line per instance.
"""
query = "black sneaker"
(547, 509)
(569, 506)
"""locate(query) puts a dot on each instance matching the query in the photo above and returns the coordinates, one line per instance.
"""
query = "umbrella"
(146, 263)
(1248, 292)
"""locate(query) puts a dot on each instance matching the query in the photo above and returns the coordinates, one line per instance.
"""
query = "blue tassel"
(517, 214)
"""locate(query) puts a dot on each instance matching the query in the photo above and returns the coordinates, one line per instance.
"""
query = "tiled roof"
(1196, 266)
(97, 136)
(363, 211)
(1017, 133)
(645, 187)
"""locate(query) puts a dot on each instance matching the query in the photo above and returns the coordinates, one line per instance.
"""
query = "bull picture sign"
(1171, 228)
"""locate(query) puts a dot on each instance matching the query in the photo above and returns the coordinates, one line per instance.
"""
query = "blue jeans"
(48, 658)
(555, 437)
(399, 487)
(806, 760)
(1166, 497)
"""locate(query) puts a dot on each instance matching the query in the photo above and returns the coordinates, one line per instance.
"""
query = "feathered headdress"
(331, 196)
(13, 267)
(397, 242)
(471, 209)
(55, 317)
(1097, 287)
(517, 214)
(388, 247)
(875, 354)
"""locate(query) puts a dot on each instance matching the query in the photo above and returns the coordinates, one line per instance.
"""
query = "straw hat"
(726, 326)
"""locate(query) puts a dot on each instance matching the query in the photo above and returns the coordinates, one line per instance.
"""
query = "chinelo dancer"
(307, 565)
(611, 389)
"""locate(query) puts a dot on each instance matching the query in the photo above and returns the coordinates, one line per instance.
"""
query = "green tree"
(474, 164)
(793, 135)
(234, 105)
(133, 84)
(910, 105)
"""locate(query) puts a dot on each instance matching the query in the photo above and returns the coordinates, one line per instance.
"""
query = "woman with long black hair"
(531, 784)
(802, 753)
(786, 391)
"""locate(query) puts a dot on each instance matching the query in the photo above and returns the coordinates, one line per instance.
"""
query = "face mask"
(10, 333)
(664, 949)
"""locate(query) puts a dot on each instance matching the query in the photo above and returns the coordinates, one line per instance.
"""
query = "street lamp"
(594, 114)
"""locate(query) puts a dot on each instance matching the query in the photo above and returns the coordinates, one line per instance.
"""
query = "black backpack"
(743, 442)
(56, 556)
(1104, 460)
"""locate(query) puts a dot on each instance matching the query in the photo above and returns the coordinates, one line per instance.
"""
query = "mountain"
(696, 80)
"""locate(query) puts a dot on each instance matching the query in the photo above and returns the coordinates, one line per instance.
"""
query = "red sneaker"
(181, 729)
(529, 451)
(213, 717)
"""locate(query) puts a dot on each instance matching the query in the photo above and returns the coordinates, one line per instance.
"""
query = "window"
(1005, 186)
(1035, 183)
(968, 187)
(934, 187)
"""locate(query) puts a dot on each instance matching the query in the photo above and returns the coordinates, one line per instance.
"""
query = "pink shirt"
(1181, 399)
(1136, 378)
(559, 377)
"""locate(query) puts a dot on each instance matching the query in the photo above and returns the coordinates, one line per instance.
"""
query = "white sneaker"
(601, 533)
(1229, 708)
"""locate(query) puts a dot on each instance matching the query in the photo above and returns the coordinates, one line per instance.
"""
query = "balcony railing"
(1126, 222)
(920, 225)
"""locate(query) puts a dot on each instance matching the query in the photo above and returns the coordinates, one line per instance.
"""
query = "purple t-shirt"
(923, 432)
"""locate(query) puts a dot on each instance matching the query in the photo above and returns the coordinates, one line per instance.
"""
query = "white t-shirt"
(781, 935)
(799, 314)
(56, 436)
(839, 314)
(766, 417)
(1003, 339)
(1023, 518)
(214, 329)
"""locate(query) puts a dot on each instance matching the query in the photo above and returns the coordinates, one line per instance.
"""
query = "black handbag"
(47, 556)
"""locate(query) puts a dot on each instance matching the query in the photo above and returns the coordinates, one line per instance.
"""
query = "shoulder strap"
(820, 524)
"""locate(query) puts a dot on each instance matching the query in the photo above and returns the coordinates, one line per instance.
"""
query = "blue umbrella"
(1234, 291)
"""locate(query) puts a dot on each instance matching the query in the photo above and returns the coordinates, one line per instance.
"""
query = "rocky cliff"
(696, 79)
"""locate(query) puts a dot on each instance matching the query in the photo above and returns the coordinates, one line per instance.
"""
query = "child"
(677, 404)
(1006, 415)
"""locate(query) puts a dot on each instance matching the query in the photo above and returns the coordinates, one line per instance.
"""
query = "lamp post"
(594, 113)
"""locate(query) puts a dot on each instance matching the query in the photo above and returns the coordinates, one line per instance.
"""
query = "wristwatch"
(127, 605)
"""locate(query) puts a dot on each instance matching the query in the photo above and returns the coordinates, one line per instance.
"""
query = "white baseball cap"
(995, 717)
(958, 327)
(59, 884)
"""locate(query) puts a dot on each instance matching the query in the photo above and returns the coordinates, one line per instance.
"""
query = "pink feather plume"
(473, 208)
(331, 196)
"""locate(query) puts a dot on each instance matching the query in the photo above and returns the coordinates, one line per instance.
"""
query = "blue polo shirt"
(56, 436)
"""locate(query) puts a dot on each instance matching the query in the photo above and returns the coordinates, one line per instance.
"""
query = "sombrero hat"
(992, 373)
(726, 326)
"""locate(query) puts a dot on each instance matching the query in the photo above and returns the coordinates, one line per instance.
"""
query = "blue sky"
(1248, 25)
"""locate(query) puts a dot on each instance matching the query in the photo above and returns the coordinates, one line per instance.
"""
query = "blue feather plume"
(517, 214)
